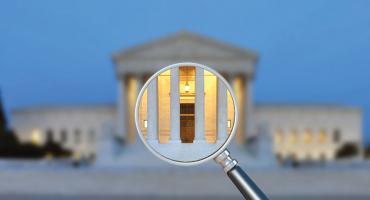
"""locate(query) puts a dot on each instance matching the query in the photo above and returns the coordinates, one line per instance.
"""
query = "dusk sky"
(311, 52)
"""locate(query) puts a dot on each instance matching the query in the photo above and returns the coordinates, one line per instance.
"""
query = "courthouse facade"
(300, 132)
(133, 67)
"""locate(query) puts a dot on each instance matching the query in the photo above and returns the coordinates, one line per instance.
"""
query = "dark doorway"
(187, 128)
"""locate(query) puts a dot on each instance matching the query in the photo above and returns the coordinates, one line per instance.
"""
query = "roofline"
(130, 50)
(62, 106)
(307, 105)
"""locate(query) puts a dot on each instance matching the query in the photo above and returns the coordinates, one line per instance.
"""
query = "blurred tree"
(55, 149)
(10, 147)
(347, 150)
(7, 140)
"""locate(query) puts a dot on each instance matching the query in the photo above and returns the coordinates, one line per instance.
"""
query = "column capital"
(245, 77)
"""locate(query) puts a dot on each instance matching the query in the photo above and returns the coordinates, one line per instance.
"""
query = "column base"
(201, 141)
(151, 141)
(176, 141)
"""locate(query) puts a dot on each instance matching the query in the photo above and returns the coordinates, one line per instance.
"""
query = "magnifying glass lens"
(186, 113)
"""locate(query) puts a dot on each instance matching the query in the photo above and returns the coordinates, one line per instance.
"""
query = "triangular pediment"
(184, 46)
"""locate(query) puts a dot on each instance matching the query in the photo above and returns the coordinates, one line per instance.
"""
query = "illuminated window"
(36, 137)
(322, 136)
(278, 136)
(308, 136)
(293, 138)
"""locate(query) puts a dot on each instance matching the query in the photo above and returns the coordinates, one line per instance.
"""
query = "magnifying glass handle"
(241, 180)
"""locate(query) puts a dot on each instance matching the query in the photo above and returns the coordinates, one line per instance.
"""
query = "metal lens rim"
(195, 162)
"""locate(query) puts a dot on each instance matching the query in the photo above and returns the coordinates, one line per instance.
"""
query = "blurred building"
(298, 132)
(77, 128)
(310, 132)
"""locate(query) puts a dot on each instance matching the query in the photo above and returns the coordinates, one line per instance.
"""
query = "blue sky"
(58, 52)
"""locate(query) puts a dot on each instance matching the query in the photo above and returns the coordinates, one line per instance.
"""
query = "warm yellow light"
(278, 136)
(36, 137)
(322, 137)
(77, 156)
(293, 137)
(229, 123)
(308, 137)
(187, 87)
(145, 123)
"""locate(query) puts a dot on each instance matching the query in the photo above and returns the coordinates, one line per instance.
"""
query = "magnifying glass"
(186, 114)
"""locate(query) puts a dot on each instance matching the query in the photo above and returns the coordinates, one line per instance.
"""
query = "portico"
(184, 113)
(134, 65)
(186, 105)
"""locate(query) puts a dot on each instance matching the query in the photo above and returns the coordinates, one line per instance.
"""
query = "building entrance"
(187, 129)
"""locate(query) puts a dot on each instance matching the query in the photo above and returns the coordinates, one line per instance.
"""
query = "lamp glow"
(187, 87)
(145, 123)
(36, 137)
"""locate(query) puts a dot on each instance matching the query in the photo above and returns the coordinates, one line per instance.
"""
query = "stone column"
(221, 111)
(248, 107)
(199, 104)
(121, 105)
(132, 92)
(139, 84)
(152, 130)
(175, 106)
(239, 90)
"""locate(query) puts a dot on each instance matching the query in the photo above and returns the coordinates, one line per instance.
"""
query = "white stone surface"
(175, 106)
(199, 104)
(181, 181)
(186, 152)
(152, 111)
(121, 108)
(221, 110)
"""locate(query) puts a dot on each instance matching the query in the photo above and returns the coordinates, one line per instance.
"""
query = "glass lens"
(186, 113)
